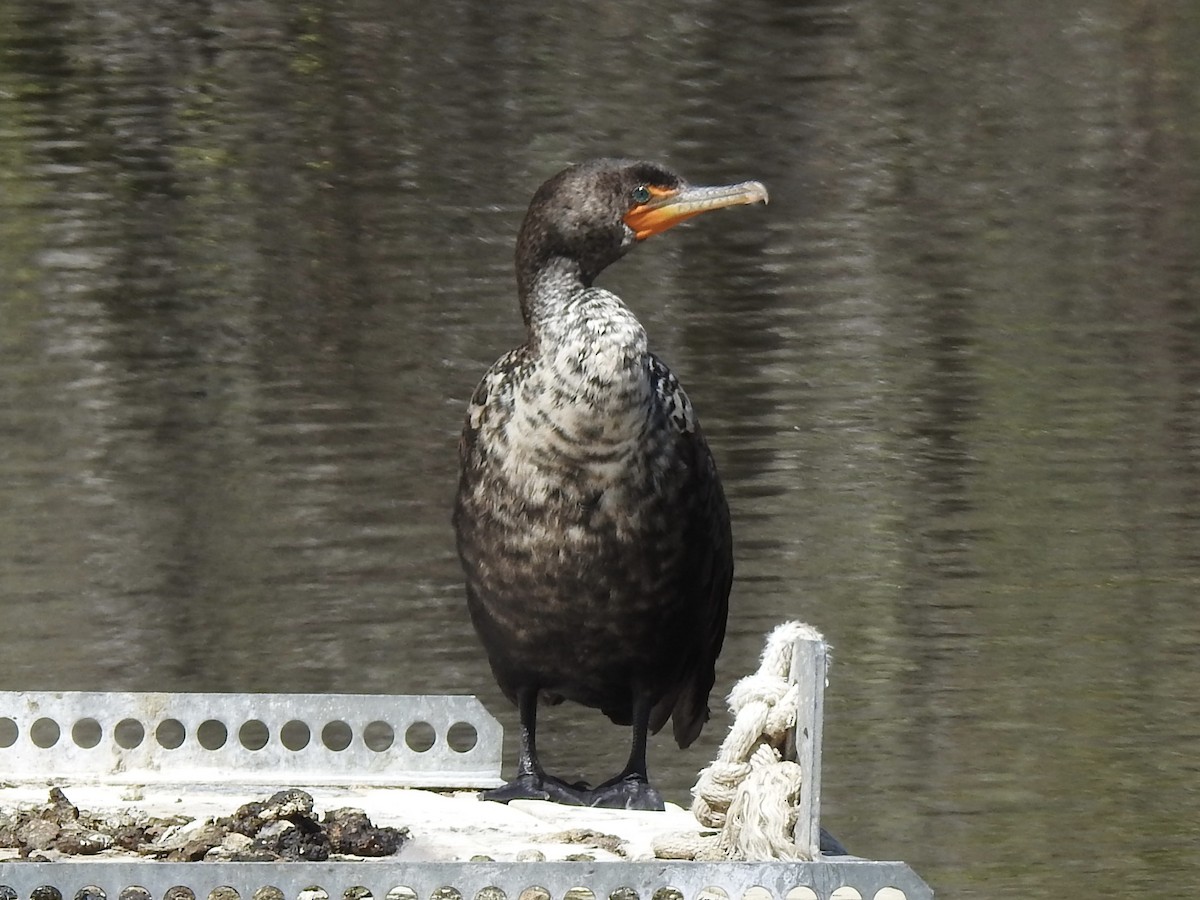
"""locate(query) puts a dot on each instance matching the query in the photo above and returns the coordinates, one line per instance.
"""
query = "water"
(253, 260)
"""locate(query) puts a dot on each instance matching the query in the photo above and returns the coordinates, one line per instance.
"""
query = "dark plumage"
(590, 519)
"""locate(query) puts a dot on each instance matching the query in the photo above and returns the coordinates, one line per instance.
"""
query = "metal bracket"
(810, 668)
(261, 739)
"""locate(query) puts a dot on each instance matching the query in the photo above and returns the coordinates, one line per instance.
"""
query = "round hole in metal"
(379, 736)
(462, 737)
(91, 892)
(129, 733)
(295, 735)
(337, 735)
(179, 892)
(134, 892)
(401, 892)
(170, 735)
(45, 892)
(8, 735)
(254, 735)
(44, 733)
(420, 736)
(267, 892)
(212, 734)
(86, 733)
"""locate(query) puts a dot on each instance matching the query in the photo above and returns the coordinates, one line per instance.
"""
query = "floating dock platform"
(411, 763)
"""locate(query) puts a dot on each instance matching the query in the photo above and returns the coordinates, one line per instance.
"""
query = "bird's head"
(594, 212)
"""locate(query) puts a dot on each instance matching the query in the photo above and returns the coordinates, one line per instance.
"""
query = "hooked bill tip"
(756, 191)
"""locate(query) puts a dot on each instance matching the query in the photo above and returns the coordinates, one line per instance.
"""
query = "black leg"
(531, 781)
(631, 789)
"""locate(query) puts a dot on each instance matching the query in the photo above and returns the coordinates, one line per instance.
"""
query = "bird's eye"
(641, 194)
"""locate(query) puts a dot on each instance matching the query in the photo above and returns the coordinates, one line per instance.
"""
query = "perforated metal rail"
(849, 880)
(316, 739)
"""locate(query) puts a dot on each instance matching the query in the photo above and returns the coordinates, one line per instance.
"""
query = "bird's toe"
(627, 792)
(535, 787)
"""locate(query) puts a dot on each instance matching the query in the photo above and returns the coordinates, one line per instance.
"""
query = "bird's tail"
(691, 711)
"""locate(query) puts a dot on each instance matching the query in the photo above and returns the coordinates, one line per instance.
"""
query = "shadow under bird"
(590, 519)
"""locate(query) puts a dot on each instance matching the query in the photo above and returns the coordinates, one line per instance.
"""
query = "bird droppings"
(232, 822)
(284, 827)
(588, 837)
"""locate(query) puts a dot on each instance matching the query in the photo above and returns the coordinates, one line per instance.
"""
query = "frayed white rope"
(750, 792)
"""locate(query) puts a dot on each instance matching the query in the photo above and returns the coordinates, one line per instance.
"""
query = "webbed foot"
(626, 792)
(535, 787)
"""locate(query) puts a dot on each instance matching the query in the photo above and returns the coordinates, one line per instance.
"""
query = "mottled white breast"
(579, 420)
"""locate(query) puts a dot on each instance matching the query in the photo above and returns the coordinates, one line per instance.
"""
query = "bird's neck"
(588, 395)
(548, 287)
(586, 340)
(566, 317)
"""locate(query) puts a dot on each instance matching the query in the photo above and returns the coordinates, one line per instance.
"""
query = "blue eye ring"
(641, 194)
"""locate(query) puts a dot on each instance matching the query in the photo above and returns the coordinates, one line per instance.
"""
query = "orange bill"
(670, 207)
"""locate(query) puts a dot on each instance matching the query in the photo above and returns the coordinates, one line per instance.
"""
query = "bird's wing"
(710, 558)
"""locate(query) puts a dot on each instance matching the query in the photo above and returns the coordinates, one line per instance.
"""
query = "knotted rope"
(750, 792)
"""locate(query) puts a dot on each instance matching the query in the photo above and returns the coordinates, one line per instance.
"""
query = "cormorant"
(590, 519)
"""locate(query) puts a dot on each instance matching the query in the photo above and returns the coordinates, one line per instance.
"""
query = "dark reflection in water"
(254, 257)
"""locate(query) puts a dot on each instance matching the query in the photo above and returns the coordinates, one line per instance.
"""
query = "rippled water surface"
(253, 258)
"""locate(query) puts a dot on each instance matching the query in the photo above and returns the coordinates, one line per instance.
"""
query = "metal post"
(810, 664)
